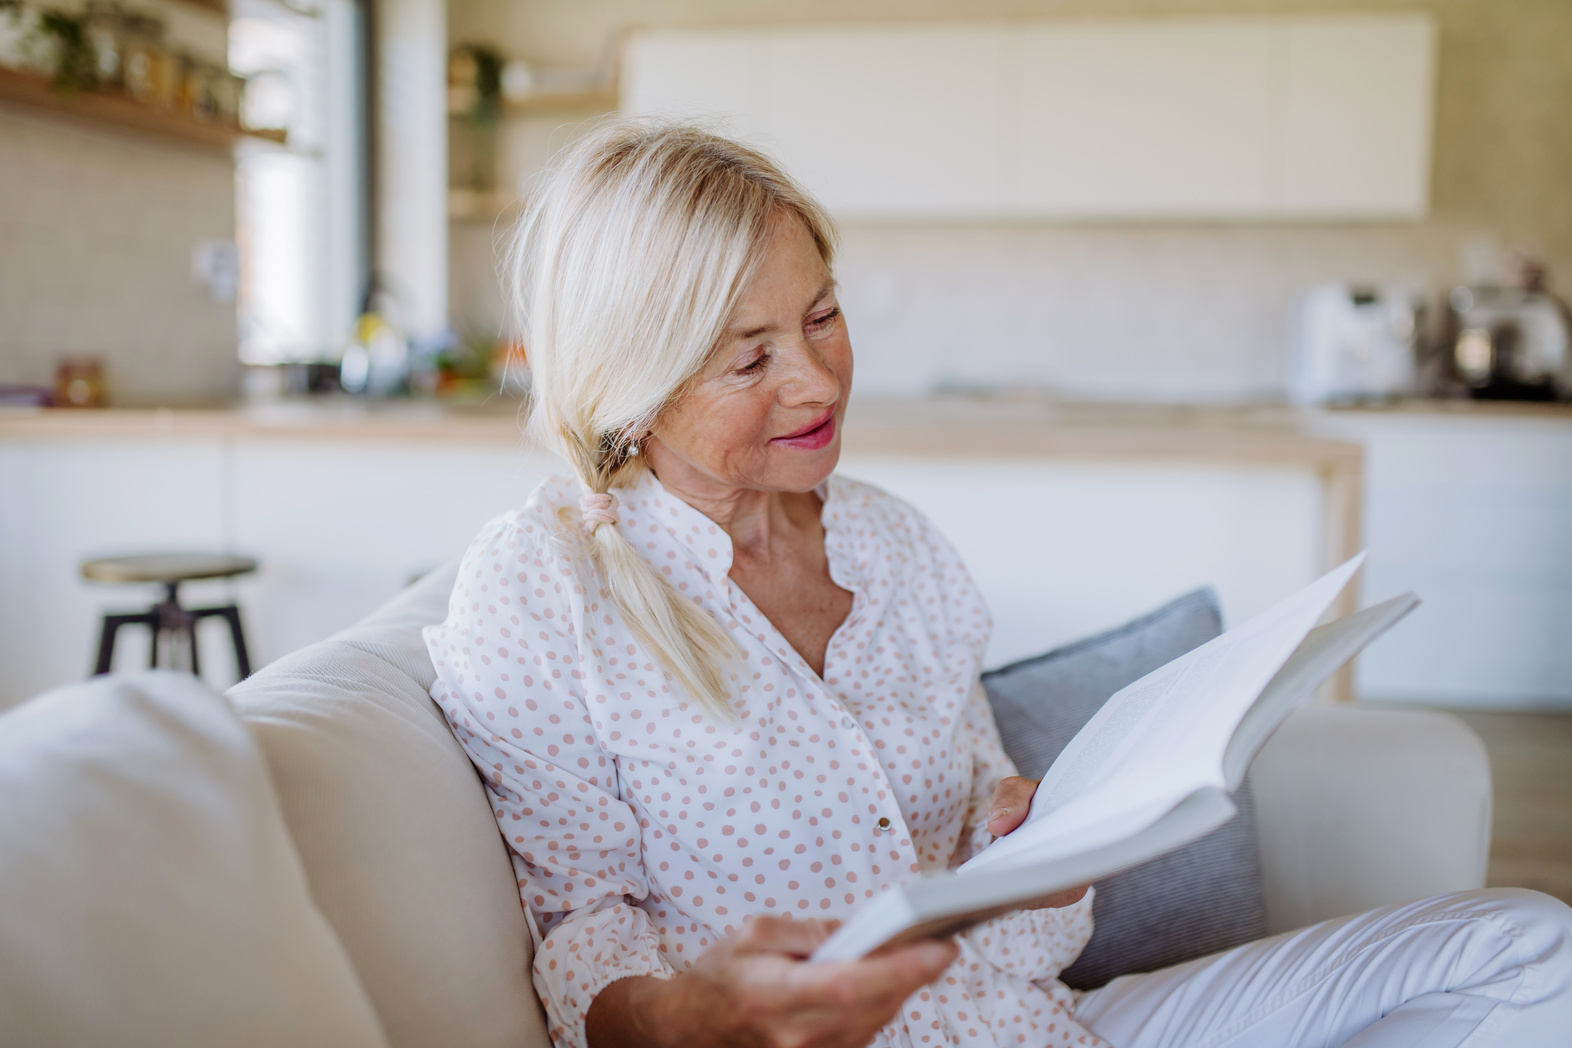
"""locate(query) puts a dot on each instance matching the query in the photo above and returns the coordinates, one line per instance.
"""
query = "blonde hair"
(633, 253)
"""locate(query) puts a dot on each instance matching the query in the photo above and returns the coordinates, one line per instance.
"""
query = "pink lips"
(813, 436)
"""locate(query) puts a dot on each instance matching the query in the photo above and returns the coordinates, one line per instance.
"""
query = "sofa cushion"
(397, 836)
(151, 895)
(1200, 899)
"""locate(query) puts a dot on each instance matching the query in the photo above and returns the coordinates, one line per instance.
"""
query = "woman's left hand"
(1012, 799)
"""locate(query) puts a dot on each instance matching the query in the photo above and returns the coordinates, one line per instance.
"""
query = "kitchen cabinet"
(1071, 519)
(1472, 510)
(1069, 525)
(338, 529)
(1291, 117)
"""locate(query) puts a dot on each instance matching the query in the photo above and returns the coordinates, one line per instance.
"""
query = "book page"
(1160, 739)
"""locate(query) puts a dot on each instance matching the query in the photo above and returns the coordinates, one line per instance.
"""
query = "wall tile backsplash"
(96, 236)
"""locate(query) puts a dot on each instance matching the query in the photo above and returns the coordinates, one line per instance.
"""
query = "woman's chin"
(795, 469)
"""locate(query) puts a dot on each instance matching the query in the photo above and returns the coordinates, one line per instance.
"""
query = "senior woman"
(720, 695)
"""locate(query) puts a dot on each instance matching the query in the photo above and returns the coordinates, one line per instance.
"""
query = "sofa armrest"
(1358, 808)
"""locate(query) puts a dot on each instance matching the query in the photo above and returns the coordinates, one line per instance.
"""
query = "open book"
(1148, 774)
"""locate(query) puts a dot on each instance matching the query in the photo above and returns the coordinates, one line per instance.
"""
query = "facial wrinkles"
(723, 426)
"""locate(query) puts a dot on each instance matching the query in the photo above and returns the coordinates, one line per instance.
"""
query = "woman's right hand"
(756, 988)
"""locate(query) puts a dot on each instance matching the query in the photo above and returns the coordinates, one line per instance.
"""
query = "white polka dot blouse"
(643, 829)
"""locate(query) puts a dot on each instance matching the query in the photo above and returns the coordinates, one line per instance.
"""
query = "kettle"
(1510, 343)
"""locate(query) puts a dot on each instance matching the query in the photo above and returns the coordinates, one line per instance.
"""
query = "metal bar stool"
(167, 616)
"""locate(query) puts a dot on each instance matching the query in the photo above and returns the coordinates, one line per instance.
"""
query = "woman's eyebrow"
(824, 289)
(738, 335)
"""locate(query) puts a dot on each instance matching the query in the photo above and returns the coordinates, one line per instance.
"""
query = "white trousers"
(1470, 969)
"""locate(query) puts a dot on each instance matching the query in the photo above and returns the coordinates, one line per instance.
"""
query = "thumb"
(1012, 799)
(767, 934)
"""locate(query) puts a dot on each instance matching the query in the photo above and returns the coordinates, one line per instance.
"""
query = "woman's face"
(765, 412)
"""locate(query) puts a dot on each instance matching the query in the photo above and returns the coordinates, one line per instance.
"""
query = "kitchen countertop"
(945, 426)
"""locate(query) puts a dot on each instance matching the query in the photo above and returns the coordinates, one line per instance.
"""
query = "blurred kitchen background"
(1195, 292)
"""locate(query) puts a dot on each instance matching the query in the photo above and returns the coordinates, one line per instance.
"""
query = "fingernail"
(997, 812)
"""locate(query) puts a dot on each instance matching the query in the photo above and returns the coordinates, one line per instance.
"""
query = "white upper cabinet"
(1139, 120)
(881, 116)
(1301, 118)
(1358, 98)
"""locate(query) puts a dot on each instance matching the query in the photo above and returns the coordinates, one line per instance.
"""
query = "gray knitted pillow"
(1195, 901)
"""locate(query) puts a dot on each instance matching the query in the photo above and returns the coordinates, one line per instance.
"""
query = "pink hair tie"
(598, 509)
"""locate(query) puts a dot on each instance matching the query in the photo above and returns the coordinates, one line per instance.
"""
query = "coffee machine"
(1508, 343)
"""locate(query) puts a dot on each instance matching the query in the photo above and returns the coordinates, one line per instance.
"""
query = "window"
(301, 208)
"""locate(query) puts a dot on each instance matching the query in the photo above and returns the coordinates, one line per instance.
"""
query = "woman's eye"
(757, 365)
(825, 319)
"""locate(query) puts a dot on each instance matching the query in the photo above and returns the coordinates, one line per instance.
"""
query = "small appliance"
(1355, 343)
(1507, 343)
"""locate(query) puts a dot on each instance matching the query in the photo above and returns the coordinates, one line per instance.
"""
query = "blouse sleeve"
(1036, 944)
(990, 766)
(508, 679)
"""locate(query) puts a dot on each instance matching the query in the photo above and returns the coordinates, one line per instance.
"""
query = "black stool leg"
(190, 632)
(106, 637)
(106, 645)
(230, 613)
(242, 659)
(175, 621)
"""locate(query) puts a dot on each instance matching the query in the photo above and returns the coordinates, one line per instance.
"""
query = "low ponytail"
(630, 258)
(688, 643)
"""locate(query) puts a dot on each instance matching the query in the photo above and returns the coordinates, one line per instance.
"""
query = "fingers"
(895, 975)
(1072, 896)
(754, 988)
(1012, 799)
(1068, 897)
(794, 938)
(917, 965)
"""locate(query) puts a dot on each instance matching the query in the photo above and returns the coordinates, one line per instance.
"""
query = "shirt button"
(884, 822)
(848, 722)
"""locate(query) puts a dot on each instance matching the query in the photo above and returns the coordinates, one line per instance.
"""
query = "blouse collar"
(648, 504)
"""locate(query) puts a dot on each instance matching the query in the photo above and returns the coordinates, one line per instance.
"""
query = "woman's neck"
(754, 520)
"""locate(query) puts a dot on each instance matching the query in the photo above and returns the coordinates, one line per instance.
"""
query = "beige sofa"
(376, 903)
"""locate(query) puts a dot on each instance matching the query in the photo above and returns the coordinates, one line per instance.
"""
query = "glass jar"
(227, 91)
(79, 382)
(22, 44)
(149, 67)
(104, 25)
(199, 89)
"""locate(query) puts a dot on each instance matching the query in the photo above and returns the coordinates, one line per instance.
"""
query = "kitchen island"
(1071, 517)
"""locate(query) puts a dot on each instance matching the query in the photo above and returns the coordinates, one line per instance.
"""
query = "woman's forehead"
(791, 276)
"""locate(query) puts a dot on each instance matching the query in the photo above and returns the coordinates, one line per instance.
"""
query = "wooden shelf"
(561, 102)
(117, 113)
(469, 205)
(539, 103)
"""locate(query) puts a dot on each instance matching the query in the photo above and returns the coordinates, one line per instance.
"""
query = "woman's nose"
(811, 379)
